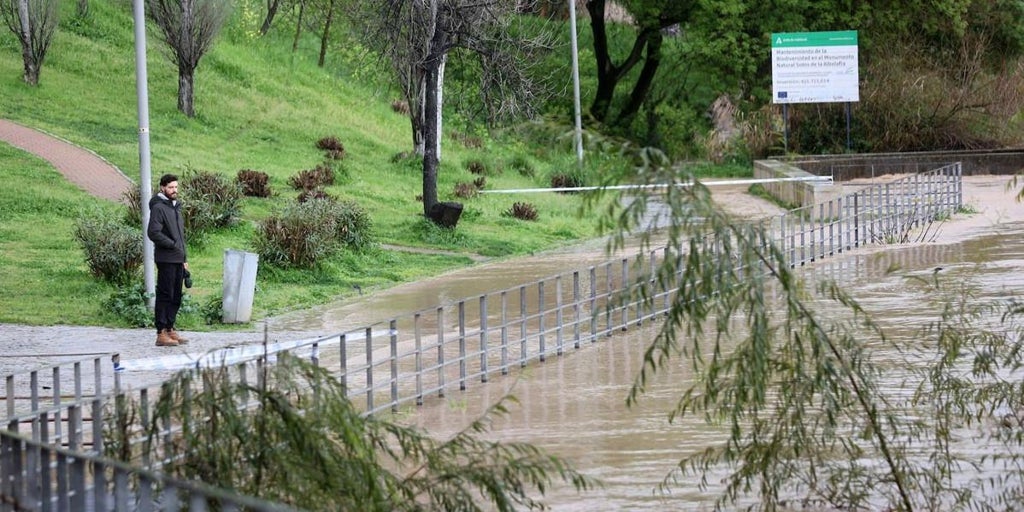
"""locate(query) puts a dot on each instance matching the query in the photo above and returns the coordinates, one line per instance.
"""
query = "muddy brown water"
(574, 406)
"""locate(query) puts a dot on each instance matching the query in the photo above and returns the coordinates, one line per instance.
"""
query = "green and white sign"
(815, 67)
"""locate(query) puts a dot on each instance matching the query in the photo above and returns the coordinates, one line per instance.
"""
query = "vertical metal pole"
(504, 332)
(847, 126)
(541, 304)
(145, 180)
(462, 345)
(483, 338)
(785, 127)
(368, 336)
(558, 314)
(576, 82)
(417, 334)
(393, 327)
(576, 309)
(522, 326)
(440, 352)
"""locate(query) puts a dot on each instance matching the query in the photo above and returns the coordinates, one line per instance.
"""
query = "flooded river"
(574, 406)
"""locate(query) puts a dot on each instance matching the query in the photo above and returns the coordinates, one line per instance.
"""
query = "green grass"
(259, 106)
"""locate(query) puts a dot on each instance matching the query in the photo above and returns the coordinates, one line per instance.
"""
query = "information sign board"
(815, 67)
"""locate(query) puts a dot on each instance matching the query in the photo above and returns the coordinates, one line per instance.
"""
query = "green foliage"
(303, 234)
(113, 251)
(209, 201)
(294, 437)
(129, 303)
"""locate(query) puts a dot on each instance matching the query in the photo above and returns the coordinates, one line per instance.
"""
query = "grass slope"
(261, 107)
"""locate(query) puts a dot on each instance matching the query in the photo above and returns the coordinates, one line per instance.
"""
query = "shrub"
(132, 200)
(480, 182)
(465, 190)
(311, 179)
(400, 106)
(209, 201)
(253, 183)
(305, 233)
(113, 250)
(468, 141)
(476, 167)
(566, 180)
(317, 193)
(522, 211)
(522, 166)
(130, 304)
(330, 144)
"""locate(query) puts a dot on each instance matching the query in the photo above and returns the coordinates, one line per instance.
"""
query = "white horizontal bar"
(656, 185)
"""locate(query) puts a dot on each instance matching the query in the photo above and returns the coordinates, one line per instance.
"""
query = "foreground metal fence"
(403, 361)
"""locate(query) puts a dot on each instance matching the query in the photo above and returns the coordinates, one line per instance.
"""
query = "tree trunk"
(605, 70)
(185, 85)
(325, 38)
(644, 81)
(298, 26)
(430, 137)
(272, 6)
(31, 75)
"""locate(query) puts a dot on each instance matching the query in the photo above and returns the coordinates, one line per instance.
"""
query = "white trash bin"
(239, 285)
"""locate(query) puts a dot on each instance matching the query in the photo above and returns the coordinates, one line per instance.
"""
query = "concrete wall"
(848, 167)
(795, 193)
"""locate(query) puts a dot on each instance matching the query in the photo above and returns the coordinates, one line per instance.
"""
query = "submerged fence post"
(441, 381)
(504, 332)
(418, 340)
(393, 341)
(542, 350)
(576, 309)
(462, 345)
(483, 338)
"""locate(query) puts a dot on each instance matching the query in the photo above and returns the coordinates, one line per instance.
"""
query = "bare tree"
(417, 35)
(189, 28)
(34, 22)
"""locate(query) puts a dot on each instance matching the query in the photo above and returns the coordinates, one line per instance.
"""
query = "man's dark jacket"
(167, 230)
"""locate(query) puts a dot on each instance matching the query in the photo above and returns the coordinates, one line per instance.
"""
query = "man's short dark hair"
(166, 179)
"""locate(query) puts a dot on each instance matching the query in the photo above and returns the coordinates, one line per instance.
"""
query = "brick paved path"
(80, 166)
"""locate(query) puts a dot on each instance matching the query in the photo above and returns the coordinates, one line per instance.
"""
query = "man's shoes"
(164, 339)
(178, 339)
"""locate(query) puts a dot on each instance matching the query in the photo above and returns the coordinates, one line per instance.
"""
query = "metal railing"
(402, 361)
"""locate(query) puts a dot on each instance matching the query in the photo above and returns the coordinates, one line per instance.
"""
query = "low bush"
(330, 143)
(332, 147)
(466, 190)
(130, 304)
(566, 180)
(476, 167)
(307, 195)
(303, 234)
(522, 211)
(522, 166)
(400, 106)
(132, 201)
(311, 179)
(209, 201)
(113, 250)
(480, 183)
(254, 183)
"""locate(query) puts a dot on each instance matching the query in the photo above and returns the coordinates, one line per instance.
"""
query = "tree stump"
(446, 214)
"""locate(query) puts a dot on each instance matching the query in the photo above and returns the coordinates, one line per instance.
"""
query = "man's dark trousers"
(169, 277)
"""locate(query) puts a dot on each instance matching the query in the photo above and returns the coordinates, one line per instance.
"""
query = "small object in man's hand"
(188, 279)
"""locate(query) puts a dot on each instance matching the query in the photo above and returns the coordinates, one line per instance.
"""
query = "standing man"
(167, 231)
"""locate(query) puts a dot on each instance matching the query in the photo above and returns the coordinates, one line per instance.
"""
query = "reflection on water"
(574, 406)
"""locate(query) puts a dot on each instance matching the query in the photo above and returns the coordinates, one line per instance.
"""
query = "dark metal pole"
(847, 126)
(785, 127)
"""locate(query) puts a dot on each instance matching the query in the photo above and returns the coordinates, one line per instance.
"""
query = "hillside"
(259, 106)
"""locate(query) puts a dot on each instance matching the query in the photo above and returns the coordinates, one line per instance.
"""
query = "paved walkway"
(80, 166)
